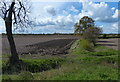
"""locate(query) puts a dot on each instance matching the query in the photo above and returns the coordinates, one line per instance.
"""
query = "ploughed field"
(40, 44)
(48, 44)
(110, 43)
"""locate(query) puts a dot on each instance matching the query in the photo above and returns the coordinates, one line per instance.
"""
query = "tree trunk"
(8, 23)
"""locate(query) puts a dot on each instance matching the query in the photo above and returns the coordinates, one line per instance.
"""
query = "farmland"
(27, 43)
(53, 57)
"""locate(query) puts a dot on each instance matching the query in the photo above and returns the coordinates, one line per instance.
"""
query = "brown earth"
(48, 44)
(111, 43)
(40, 44)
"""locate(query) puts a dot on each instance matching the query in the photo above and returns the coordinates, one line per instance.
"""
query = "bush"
(86, 45)
(25, 76)
(91, 34)
(104, 35)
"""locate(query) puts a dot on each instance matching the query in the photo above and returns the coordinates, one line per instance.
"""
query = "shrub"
(103, 76)
(86, 45)
(104, 35)
(91, 34)
(25, 76)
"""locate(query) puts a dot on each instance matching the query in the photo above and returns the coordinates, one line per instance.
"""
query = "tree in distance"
(83, 24)
(87, 28)
(91, 34)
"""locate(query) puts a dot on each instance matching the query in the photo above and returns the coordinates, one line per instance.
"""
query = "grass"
(76, 70)
(39, 65)
(80, 64)
(89, 72)
(34, 65)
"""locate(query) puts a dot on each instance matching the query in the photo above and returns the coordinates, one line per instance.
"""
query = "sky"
(60, 17)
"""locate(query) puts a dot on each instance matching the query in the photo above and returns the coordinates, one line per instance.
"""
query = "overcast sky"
(60, 17)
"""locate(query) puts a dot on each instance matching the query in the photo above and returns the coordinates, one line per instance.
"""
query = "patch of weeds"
(25, 76)
(39, 65)
(103, 76)
(89, 72)
(5, 55)
(81, 47)
(8, 78)
(109, 59)
(86, 45)
(103, 53)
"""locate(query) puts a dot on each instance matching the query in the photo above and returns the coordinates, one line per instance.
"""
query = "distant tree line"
(100, 36)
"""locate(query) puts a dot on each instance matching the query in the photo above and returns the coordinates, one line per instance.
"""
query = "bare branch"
(5, 14)
(20, 13)
(15, 17)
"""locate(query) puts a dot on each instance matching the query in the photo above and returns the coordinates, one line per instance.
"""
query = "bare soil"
(48, 44)
(111, 43)
(40, 44)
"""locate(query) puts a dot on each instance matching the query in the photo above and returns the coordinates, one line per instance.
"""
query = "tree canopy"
(83, 24)
(91, 34)
(87, 28)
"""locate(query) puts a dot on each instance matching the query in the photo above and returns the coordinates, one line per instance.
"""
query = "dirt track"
(48, 44)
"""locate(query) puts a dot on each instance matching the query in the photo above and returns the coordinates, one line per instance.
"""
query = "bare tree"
(14, 13)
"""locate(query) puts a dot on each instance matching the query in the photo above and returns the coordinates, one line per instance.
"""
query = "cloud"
(65, 12)
(58, 24)
(52, 29)
(45, 21)
(59, 21)
(2, 25)
(83, 0)
(99, 11)
(73, 9)
(116, 13)
(65, 20)
(50, 10)
(115, 26)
